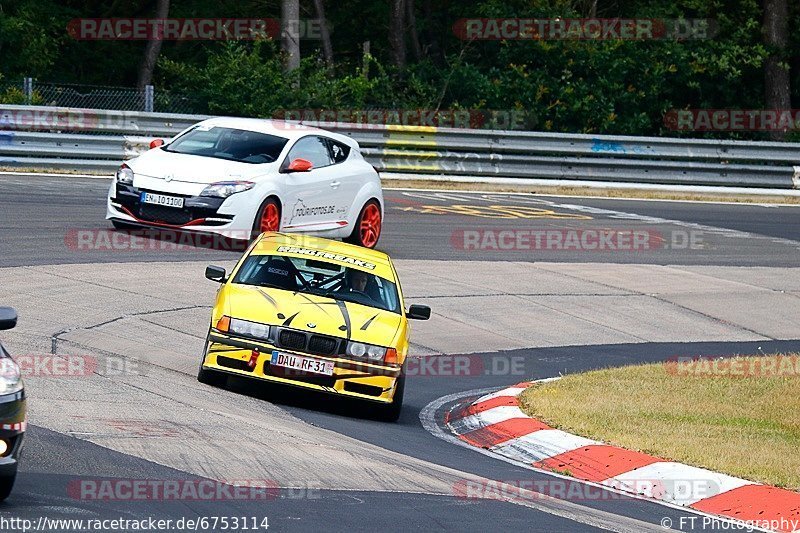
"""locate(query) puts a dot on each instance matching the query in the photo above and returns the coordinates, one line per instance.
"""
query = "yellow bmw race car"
(313, 313)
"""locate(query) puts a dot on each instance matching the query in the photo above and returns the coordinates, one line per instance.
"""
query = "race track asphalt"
(38, 214)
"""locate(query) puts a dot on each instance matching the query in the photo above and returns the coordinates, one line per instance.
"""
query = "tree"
(290, 33)
(432, 48)
(397, 42)
(325, 34)
(416, 47)
(776, 68)
(152, 49)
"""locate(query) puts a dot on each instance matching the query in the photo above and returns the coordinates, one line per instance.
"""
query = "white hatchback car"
(240, 177)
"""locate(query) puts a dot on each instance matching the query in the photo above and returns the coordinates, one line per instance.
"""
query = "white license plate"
(160, 199)
(304, 364)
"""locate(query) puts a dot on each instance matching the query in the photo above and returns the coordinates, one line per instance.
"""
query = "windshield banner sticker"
(326, 255)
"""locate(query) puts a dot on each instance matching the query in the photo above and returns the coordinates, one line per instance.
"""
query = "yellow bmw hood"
(316, 314)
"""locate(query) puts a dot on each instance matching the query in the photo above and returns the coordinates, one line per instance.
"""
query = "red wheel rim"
(370, 228)
(270, 220)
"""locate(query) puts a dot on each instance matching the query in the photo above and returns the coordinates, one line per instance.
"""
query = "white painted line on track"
(600, 185)
(612, 214)
(586, 197)
(55, 175)
(566, 183)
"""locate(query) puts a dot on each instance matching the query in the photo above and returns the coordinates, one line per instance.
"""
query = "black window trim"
(330, 143)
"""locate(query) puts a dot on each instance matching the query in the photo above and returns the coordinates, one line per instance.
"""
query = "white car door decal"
(312, 201)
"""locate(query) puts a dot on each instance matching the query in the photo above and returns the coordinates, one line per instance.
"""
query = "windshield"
(319, 278)
(227, 143)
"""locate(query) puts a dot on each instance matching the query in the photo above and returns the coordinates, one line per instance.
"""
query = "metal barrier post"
(149, 96)
(27, 88)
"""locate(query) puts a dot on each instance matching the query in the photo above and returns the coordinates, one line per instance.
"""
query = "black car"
(13, 419)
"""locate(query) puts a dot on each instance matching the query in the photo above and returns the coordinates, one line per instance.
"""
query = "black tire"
(206, 376)
(271, 201)
(123, 225)
(6, 484)
(211, 377)
(391, 412)
(356, 236)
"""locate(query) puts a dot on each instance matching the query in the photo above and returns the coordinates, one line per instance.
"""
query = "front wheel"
(368, 226)
(6, 484)
(391, 412)
(213, 378)
(268, 217)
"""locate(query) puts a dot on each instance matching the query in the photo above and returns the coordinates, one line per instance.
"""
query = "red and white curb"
(495, 425)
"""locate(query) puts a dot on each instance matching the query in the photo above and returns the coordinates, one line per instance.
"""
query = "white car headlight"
(125, 175)
(250, 329)
(223, 189)
(361, 351)
(10, 377)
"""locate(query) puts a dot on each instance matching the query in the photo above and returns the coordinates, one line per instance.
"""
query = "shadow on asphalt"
(289, 396)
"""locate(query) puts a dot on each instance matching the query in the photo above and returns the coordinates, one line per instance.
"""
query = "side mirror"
(215, 273)
(8, 318)
(299, 165)
(419, 312)
(155, 143)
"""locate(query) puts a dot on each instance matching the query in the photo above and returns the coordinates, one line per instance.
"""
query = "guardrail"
(98, 140)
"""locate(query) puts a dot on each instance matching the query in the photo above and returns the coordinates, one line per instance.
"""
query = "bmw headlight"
(360, 350)
(250, 329)
(10, 376)
(223, 189)
(125, 175)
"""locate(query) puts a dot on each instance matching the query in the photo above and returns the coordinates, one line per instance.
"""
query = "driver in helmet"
(356, 280)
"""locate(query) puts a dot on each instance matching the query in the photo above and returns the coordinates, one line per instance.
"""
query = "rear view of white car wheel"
(368, 227)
